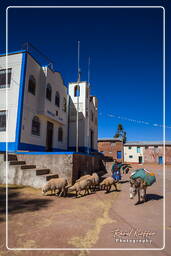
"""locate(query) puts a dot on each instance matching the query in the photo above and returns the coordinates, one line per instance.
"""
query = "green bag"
(145, 175)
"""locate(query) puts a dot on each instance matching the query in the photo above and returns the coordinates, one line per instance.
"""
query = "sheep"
(83, 177)
(107, 184)
(56, 184)
(138, 186)
(81, 185)
(94, 178)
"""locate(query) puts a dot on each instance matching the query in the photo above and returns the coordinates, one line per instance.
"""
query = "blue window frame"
(138, 149)
(119, 154)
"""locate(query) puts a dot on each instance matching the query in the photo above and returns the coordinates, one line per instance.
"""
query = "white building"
(133, 152)
(37, 109)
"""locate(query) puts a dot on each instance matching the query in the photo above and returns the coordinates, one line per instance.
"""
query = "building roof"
(109, 139)
(146, 143)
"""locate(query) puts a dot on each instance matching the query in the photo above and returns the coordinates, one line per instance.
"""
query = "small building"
(147, 152)
(41, 111)
(112, 148)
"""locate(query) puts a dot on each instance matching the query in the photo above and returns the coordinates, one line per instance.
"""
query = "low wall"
(61, 164)
(69, 165)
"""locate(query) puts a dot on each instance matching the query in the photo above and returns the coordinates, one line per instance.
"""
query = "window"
(32, 85)
(92, 116)
(48, 92)
(64, 104)
(3, 73)
(155, 146)
(60, 134)
(35, 130)
(129, 147)
(146, 147)
(138, 149)
(57, 99)
(119, 154)
(130, 156)
(77, 91)
(2, 121)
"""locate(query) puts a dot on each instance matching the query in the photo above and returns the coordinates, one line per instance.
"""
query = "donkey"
(138, 186)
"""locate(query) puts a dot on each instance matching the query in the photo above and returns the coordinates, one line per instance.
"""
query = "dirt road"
(96, 221)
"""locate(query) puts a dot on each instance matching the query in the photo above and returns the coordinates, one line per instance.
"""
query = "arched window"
(32, 85)
(35, 129)
(57, 99)
(76, 91)
(60, 134)
(48, 92)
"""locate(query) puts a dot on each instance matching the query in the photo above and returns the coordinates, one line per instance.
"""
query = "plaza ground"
(37, 221)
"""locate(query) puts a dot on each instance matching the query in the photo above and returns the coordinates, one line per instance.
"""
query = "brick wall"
(151, 154)
(110, 149)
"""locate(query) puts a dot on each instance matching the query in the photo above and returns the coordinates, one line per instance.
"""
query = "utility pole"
(78, 93)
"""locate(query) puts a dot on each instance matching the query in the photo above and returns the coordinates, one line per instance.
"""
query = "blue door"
(160, 160)
(119, 154)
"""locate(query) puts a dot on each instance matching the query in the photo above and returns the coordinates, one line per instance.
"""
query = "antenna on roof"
(89, 71)
(79, 71)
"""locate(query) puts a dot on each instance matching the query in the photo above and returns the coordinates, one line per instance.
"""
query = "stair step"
(17, 162)
(28, 166)
(51, 176)
(10, 157)
(42, 171)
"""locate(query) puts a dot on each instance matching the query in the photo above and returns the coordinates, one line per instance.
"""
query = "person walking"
(116, 174)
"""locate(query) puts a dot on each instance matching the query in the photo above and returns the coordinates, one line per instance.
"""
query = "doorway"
(140, 159)
(49, 136)
(160, 160)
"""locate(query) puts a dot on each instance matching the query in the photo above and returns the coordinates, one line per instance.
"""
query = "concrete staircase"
(21, 173)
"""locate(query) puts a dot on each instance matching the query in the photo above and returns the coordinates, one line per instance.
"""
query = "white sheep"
(56, 184)
(84, 177)
(107, 184)
(81, 185)
(94, 178)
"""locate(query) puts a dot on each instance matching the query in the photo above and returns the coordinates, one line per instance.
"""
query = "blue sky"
(125, 46)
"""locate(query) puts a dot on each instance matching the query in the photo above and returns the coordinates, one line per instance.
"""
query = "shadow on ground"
(18, 204)
(150, 197)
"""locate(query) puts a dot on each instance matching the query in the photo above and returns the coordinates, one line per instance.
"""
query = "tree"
(120, 133)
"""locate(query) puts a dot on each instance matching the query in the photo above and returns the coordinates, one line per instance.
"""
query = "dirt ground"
(98, 220)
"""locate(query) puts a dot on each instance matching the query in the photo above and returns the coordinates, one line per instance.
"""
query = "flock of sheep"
(86, 183)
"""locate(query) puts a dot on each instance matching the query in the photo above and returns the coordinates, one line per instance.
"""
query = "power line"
(136, 121)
